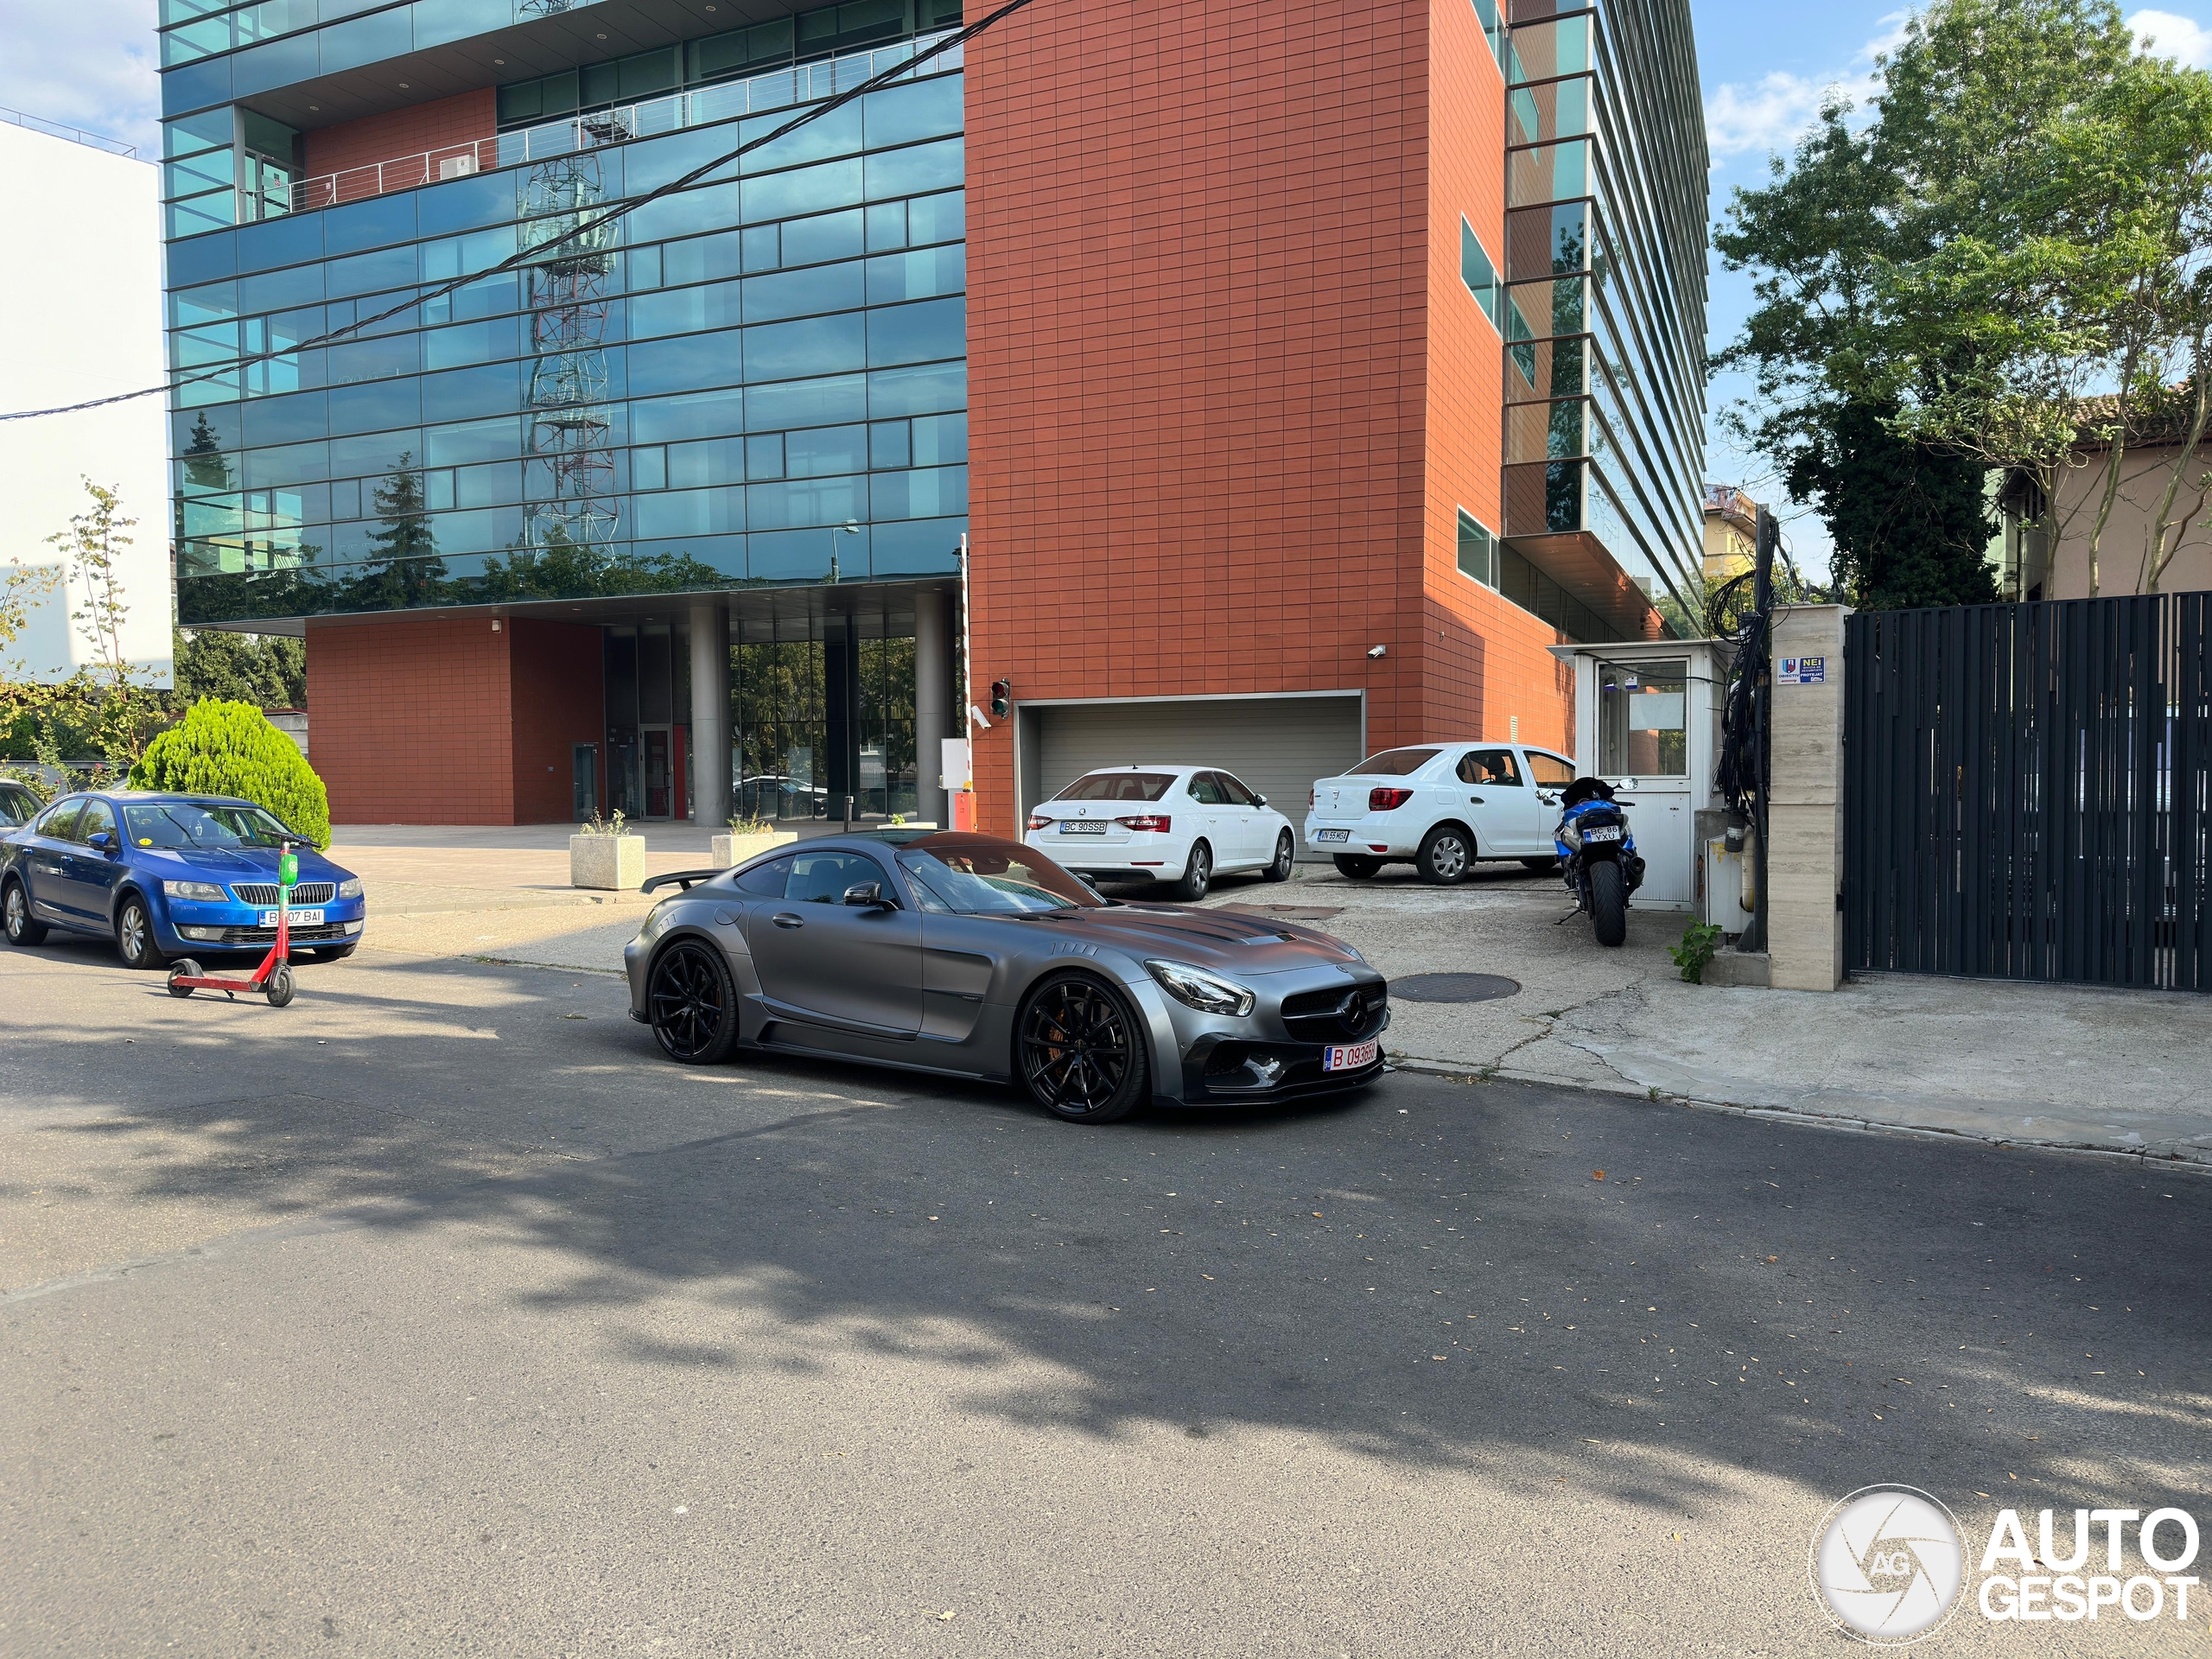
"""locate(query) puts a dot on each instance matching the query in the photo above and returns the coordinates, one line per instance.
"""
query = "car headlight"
(1570, 834)
(206, 893)
(349, 887)
(1195, 988)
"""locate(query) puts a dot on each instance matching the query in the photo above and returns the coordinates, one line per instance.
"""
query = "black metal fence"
(2025, 793)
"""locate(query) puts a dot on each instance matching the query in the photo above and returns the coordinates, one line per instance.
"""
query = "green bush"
(227, 749)
(1700, 941)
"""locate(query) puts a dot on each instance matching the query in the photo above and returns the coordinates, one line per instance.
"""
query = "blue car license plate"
(1082, 827)
(1604, 832)
(1332, 835)
(1348, 1057)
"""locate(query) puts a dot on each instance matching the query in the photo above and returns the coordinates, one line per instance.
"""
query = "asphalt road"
(436, 1315)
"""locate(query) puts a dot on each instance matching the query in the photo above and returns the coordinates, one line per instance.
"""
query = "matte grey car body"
(905, 983)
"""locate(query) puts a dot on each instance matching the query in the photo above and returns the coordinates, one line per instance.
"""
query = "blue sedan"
(170, 875)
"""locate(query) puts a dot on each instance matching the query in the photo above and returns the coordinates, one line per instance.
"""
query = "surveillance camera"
(1380, 650)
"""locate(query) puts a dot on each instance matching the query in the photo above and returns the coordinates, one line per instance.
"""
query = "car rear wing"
(683, 879)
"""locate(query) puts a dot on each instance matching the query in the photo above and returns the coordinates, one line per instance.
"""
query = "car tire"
(24, 929)
(691, 1003)
(1080, 1050)
(1285, 854)
(1608, 902)
(1198, 873)
(1447, 853)
(133, 936)
(1353, 867)
(1541, 866)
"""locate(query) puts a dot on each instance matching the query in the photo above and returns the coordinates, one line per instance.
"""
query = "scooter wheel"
(187, 968)
(279, 987)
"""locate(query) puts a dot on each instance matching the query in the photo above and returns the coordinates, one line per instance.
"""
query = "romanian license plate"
(1604, 832)
(300, 918)
(1083, 826)
(1332, 835)
(1347, 1056)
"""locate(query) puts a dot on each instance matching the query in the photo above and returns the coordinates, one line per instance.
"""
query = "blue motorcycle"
(1597, 856)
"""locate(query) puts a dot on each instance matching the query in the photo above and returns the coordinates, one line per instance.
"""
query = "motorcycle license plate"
(1076, 826)
(300, 918)
(1604, 832)
(1348, 1057)
(1332, 835)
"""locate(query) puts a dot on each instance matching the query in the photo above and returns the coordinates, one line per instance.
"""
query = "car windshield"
(16, 805)
(992, 878)
(192, 823)
(1118, 786)
(1394, 763)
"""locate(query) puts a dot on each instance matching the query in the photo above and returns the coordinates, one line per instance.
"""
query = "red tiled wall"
(398, 134)
(413, 719)
(559, 700)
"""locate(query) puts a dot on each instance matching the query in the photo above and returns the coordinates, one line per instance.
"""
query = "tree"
(1959, 134)
(268, 670)
(410, 570)
(230, 748)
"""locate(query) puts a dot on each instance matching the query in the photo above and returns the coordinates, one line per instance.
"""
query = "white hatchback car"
(1163, 824)
(1442, 806)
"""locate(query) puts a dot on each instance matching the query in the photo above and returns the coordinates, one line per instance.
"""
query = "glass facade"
(758, 380)
(1604, 301)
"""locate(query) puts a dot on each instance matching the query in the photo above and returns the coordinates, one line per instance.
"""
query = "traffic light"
(1001, 698)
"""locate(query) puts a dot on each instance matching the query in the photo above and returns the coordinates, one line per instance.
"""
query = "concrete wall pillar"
(1805, 817)
(710, 780)
(932, 702)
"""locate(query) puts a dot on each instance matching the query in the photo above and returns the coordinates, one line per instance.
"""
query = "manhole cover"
(1454, 988)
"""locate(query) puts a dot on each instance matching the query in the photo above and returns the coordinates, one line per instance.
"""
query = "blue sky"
(91, 63)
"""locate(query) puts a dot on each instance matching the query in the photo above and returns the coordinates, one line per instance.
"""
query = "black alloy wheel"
(1447, 852)
(133, 936)
(1280, 870)
(1353, 867)
(1082, 1053)
(24, 929)
(692, 1004)
(1197, 873)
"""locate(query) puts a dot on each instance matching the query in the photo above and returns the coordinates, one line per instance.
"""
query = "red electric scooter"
(273, 979)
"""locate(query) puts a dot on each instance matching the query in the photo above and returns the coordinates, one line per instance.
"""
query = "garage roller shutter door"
(1278, 745)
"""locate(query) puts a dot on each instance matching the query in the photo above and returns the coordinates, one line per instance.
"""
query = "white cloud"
(1770, 113)
(90, 64)
(2165, 35)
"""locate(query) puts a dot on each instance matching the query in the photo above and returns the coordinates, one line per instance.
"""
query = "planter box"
(734, 850)
(614, 862)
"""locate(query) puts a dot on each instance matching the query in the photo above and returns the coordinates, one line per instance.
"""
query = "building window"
(1477, 271)
(1477, 551)
(1493, 27)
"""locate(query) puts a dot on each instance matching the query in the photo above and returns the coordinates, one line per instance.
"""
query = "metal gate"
(2024, 790)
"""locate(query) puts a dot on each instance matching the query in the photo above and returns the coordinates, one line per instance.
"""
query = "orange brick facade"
(398, 134)
(1227, 390)
(439, 720)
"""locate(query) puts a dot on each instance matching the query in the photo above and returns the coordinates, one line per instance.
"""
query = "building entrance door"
(583, 780)
(660, 777)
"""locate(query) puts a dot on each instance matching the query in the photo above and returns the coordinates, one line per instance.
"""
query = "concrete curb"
(2193, 1163)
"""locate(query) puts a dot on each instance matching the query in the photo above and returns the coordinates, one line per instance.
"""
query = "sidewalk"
(2025, 1064)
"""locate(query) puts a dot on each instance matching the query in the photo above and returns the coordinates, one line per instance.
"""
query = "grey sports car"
(977, 956)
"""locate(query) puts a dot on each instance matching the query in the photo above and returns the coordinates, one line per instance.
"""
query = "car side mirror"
(1259, 800)
(102, 841)
(868, 895)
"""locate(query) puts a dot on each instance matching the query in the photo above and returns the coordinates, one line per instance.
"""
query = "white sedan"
(1441, 806)
(1163, 824)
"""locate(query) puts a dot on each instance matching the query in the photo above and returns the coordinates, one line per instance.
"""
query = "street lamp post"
(848, 528)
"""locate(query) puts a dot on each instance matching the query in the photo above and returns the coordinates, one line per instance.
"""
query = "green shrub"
(227, 749)
(1700, 941)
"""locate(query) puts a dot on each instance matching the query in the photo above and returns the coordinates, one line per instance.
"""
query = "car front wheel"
(133, 936)
(1082, 1053)
(24, 929)
(1353, 867)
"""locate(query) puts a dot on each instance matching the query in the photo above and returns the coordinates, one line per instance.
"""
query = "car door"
(88, 889)
(1550, 774)
(1214, 813)
(1503, 801)
(48, 861)
(1255, 828)
(851, 965)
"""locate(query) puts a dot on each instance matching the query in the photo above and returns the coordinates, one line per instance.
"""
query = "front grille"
(263, 893)
(1336, 1016)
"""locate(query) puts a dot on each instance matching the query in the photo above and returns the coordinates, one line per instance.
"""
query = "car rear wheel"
(1197, 873)
(1353, 867)
(692, 1004)
(1280, 870)
(22, 928)
(1082, 1053)
(1445, 853)
(133, 936)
